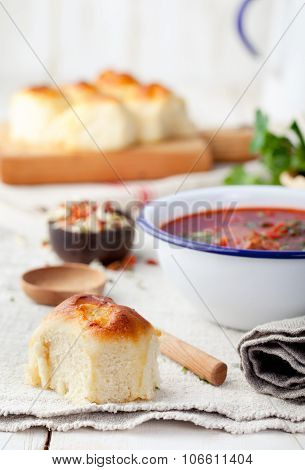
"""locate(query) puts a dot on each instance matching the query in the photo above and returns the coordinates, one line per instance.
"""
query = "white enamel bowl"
(235, 288)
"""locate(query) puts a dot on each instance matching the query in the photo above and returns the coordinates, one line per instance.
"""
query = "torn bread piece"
(92, 349)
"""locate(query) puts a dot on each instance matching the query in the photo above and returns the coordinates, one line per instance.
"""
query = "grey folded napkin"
(273, 358)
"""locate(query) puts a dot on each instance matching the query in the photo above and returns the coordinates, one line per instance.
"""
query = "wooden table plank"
(33, 439)
(170, 435)
(301, 439)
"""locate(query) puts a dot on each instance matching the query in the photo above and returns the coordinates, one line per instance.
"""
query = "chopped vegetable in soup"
(246, 228)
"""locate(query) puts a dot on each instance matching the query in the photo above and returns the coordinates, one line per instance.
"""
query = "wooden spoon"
(53, 284)
(199, 362)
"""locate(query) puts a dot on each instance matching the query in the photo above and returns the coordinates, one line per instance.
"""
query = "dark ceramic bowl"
(84, 247)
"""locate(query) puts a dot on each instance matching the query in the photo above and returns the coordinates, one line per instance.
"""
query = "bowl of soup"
(236, 252)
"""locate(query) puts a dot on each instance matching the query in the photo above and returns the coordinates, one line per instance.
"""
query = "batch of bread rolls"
(112, 112)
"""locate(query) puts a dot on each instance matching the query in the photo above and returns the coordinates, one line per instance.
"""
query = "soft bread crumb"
(91, 349)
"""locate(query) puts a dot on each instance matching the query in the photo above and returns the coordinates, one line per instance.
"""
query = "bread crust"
(116, 84)
(39, 92)
(110, 77)
(152, 91)
(102, 317)
(79, 91)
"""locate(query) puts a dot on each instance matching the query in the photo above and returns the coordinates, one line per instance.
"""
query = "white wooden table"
(158, 435)
(169, 435)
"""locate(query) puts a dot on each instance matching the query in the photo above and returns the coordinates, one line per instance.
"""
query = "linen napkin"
(234, 407)
(273, 358)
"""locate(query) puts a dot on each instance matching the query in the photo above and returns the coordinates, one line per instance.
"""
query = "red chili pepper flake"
(152, 262)
(115, 266)
(223, 241)
(79, 211)
(127, 263)
(277, 231)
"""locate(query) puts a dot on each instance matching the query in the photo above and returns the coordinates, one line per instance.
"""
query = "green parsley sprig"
(278, 153)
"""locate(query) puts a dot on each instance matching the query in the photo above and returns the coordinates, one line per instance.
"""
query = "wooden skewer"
(199, 362)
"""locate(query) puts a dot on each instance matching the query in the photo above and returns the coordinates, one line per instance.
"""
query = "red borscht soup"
(245, 228)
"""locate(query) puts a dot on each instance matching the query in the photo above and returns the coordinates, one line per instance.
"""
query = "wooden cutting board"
(230, 145)
(24, 164)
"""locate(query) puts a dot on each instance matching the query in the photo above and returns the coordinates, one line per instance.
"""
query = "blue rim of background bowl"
(220, 250)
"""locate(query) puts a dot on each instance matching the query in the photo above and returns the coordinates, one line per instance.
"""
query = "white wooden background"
(191, 45)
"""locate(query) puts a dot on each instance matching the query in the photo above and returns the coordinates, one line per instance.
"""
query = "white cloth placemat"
(47, 195)
(234, 406)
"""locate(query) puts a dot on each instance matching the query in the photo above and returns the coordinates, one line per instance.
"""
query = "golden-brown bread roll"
(31, 112)
(116, 84)
(81, 91)
(97, 122)
(91, 349)
(159, 113)
(110, 114)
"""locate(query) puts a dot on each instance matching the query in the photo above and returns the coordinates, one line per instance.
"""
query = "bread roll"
(159, 113)
(91, 349)
(98, 122)
(118, 85)
(81, 91)
(31, 112)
